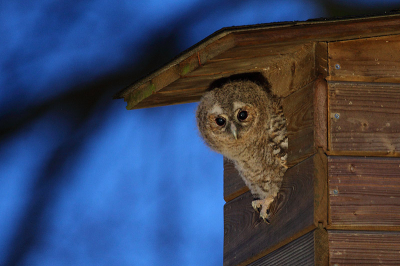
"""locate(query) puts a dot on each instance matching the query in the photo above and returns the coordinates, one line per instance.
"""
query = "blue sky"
(86, 182)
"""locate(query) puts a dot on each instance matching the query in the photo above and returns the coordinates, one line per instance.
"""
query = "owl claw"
(262, 206)
(266, 221)
(256, 205)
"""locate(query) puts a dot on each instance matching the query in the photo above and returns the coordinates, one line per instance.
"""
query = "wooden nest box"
(340, 80)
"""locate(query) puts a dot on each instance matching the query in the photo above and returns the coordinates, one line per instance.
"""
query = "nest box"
(340, 80)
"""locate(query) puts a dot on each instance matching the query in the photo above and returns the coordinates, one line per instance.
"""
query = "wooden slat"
(187, 62)
(321, 58)
(286, 68)
(248, 238)
(364, 193)
(364, 119)
(309, 249)
(298, 110)
(321, 113)
(364, 248)
(276, 33)
(346, 29)
(366, 60)
(254, 51)
(234, 185)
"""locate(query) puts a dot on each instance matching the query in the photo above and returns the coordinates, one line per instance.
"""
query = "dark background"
(84, 181)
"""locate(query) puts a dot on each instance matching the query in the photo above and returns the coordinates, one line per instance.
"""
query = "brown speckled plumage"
(256, 144)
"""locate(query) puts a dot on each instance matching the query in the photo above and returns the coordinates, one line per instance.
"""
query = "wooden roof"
(244, 49)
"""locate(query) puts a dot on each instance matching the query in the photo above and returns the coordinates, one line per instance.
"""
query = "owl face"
(228, 117)
(232, 123)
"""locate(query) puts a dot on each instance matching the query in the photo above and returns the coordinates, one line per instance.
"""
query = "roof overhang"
(243, 49)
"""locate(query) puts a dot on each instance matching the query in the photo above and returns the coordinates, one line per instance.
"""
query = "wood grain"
(336, 30)
(298, 110)
(142, 93)
(286, 68)
(321, 58)
(234, 185)
(364, 248)
(321, 113)
(248, 238)
(364, 193)
(368, 118)
(174, 70)
(320, 188)
(366, 60)
(301, 251)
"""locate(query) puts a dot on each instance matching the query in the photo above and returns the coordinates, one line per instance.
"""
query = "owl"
(245, 123)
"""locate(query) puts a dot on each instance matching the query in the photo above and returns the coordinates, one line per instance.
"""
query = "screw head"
(337, 66)
(337, 116)
(335, 192)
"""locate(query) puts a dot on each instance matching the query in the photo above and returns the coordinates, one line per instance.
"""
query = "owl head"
(232, 116)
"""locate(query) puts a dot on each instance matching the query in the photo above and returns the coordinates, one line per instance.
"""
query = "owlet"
(245, 123)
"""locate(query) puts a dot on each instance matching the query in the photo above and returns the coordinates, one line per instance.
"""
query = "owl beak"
(234, 130)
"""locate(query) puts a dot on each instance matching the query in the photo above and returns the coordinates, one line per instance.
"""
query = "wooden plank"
(286, 68)
(321, 113)
(364, 248)
(305, 250)
(247, 238)
(174, 70)
(234, 185)
(336, 30)
(298, 110)
(366, 60)
(321, 58)
(320, 188)
(364, 118)
(254, 51)
(364, 193)
(274, 33)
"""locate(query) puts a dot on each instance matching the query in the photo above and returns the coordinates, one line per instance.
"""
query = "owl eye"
(242, 115)
(220, 121)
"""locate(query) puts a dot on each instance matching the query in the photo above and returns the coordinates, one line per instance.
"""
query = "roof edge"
(124, 93)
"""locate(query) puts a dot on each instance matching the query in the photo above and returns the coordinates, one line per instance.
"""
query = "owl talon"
(266, 221)
(257, 204)
(262, 206)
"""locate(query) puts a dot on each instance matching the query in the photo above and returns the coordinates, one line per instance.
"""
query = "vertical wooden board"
(320, 188)
(321, 244)
(364, 248)
(368, 60)
(364, 192)
(321, 113)
(233, 182)
(298, 110)
(248, 238)
(364, 118)
(321, 58)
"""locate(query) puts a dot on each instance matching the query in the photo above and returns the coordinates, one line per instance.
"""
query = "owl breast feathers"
(242, 121)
